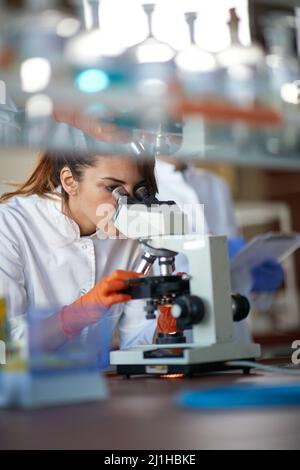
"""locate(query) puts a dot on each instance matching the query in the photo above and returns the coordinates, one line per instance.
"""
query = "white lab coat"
(46, 264)
(194, 186)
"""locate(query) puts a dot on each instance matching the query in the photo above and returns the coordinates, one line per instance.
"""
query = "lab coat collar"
(68, 230)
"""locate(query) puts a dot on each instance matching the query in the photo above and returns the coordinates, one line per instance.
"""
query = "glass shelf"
(210, 130)
(257, 160)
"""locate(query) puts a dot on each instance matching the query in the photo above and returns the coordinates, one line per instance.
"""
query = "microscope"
(200, 301)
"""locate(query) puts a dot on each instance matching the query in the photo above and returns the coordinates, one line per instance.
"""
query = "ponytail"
(42, 182)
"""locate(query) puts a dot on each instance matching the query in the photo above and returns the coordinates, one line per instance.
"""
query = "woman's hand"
(107, 291)
(85, 311)
(267, 276)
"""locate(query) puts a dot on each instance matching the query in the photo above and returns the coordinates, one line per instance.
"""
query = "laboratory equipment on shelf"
(201, 79)
(149, 64)
(284, 80)
(282, 60)
(197, 69)
(235, 103)
(37, 32)
(245, 78)
(93, 55)
(245, 81)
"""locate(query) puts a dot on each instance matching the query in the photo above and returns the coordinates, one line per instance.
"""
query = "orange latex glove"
(84, 311)
(165, 322)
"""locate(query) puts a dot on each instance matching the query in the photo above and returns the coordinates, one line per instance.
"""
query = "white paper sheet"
(269, 245)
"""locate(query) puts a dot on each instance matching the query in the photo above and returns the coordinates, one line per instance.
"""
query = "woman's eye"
(111, 187)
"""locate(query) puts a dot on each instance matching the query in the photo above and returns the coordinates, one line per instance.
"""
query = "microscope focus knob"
(240, 307)
(188, 310)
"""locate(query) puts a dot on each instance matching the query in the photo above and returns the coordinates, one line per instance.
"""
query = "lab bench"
(141, 413)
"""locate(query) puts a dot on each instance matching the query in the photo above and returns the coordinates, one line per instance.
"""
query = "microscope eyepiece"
(142, 193)
(119, 192)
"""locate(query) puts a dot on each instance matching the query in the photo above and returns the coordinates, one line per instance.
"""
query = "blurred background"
(252, 42)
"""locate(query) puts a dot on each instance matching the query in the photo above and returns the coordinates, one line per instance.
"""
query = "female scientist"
(51, 253)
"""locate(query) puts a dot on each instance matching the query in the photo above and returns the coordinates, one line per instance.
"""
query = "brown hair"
(46, 176)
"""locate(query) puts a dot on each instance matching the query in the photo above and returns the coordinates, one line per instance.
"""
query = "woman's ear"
(68, 182)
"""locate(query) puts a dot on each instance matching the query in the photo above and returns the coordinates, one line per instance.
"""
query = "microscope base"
(182, 359)
(187, 370)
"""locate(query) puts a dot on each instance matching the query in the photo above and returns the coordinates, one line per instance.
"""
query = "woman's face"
(92, 204)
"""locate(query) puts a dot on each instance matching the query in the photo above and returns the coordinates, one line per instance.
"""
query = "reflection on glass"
(34, 376)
